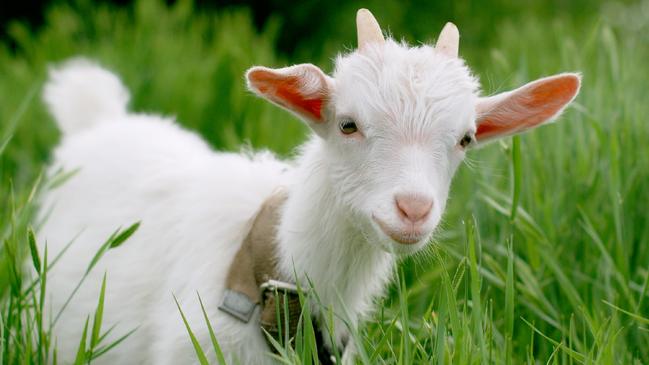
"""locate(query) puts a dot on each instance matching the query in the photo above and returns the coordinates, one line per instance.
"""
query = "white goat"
(390, 128)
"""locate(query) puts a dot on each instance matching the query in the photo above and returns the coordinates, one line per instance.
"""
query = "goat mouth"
(405, 238)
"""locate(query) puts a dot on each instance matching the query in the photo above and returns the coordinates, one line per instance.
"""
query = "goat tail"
(81, 93)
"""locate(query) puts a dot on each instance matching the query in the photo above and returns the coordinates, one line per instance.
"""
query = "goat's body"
(195, 206)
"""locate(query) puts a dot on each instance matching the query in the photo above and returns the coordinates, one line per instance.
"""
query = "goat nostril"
(413, 207)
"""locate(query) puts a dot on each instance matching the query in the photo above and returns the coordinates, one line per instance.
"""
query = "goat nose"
(413, 208)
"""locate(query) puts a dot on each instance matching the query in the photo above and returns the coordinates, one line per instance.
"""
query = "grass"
(544, 255)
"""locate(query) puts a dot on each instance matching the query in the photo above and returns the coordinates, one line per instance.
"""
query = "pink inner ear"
(285, 90)
(528, 107)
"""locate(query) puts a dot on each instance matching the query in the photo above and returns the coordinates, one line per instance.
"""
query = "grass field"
(544, 255)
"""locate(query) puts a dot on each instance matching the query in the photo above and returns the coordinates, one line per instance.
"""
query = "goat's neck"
(320, 242)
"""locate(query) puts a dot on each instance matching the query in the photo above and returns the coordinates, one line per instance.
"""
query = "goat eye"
(466, 140)
(348, 126)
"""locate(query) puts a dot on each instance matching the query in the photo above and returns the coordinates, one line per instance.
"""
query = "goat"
(390, 128)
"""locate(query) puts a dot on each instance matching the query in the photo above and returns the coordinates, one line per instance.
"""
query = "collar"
(254, 280)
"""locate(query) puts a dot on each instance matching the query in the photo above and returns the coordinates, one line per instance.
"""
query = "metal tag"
(238, 305)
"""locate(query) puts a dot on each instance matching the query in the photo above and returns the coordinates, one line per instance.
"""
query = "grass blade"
(110, 243)
(197, 346)
(516, 175)
(637, 317)
(4, 143)
(572, 353)
(36, 259)
(81, 351)
(215, 344)
(103, 350)
(124, 235)
(99, 315)
(476, 284)
(509, 304)
(115, 240)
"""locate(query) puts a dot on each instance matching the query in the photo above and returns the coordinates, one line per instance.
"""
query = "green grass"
(544, 255)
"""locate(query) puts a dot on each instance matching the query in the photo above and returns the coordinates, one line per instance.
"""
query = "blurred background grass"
(580, 238)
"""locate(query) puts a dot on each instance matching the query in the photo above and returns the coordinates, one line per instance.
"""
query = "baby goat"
(391, 126)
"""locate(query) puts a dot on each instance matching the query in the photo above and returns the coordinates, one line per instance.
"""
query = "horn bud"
(367, 29)
(448, 42)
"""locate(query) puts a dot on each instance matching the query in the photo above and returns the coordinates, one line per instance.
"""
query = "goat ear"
(302, 89)
(527, 107)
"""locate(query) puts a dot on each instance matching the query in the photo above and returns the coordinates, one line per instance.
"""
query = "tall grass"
(544, 252)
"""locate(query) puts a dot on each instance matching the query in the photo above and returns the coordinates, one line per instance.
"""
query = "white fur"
(81, 93)
(412, 105)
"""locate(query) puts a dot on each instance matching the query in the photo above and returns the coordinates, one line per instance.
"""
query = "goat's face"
(396, 123)
(399, 122)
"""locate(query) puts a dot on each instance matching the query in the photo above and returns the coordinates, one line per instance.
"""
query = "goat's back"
(194, 205)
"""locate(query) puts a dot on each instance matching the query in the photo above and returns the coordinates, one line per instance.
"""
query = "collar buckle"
(279, 287)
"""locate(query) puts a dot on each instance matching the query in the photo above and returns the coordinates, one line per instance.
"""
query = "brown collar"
(254, 280)
(256, 261)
